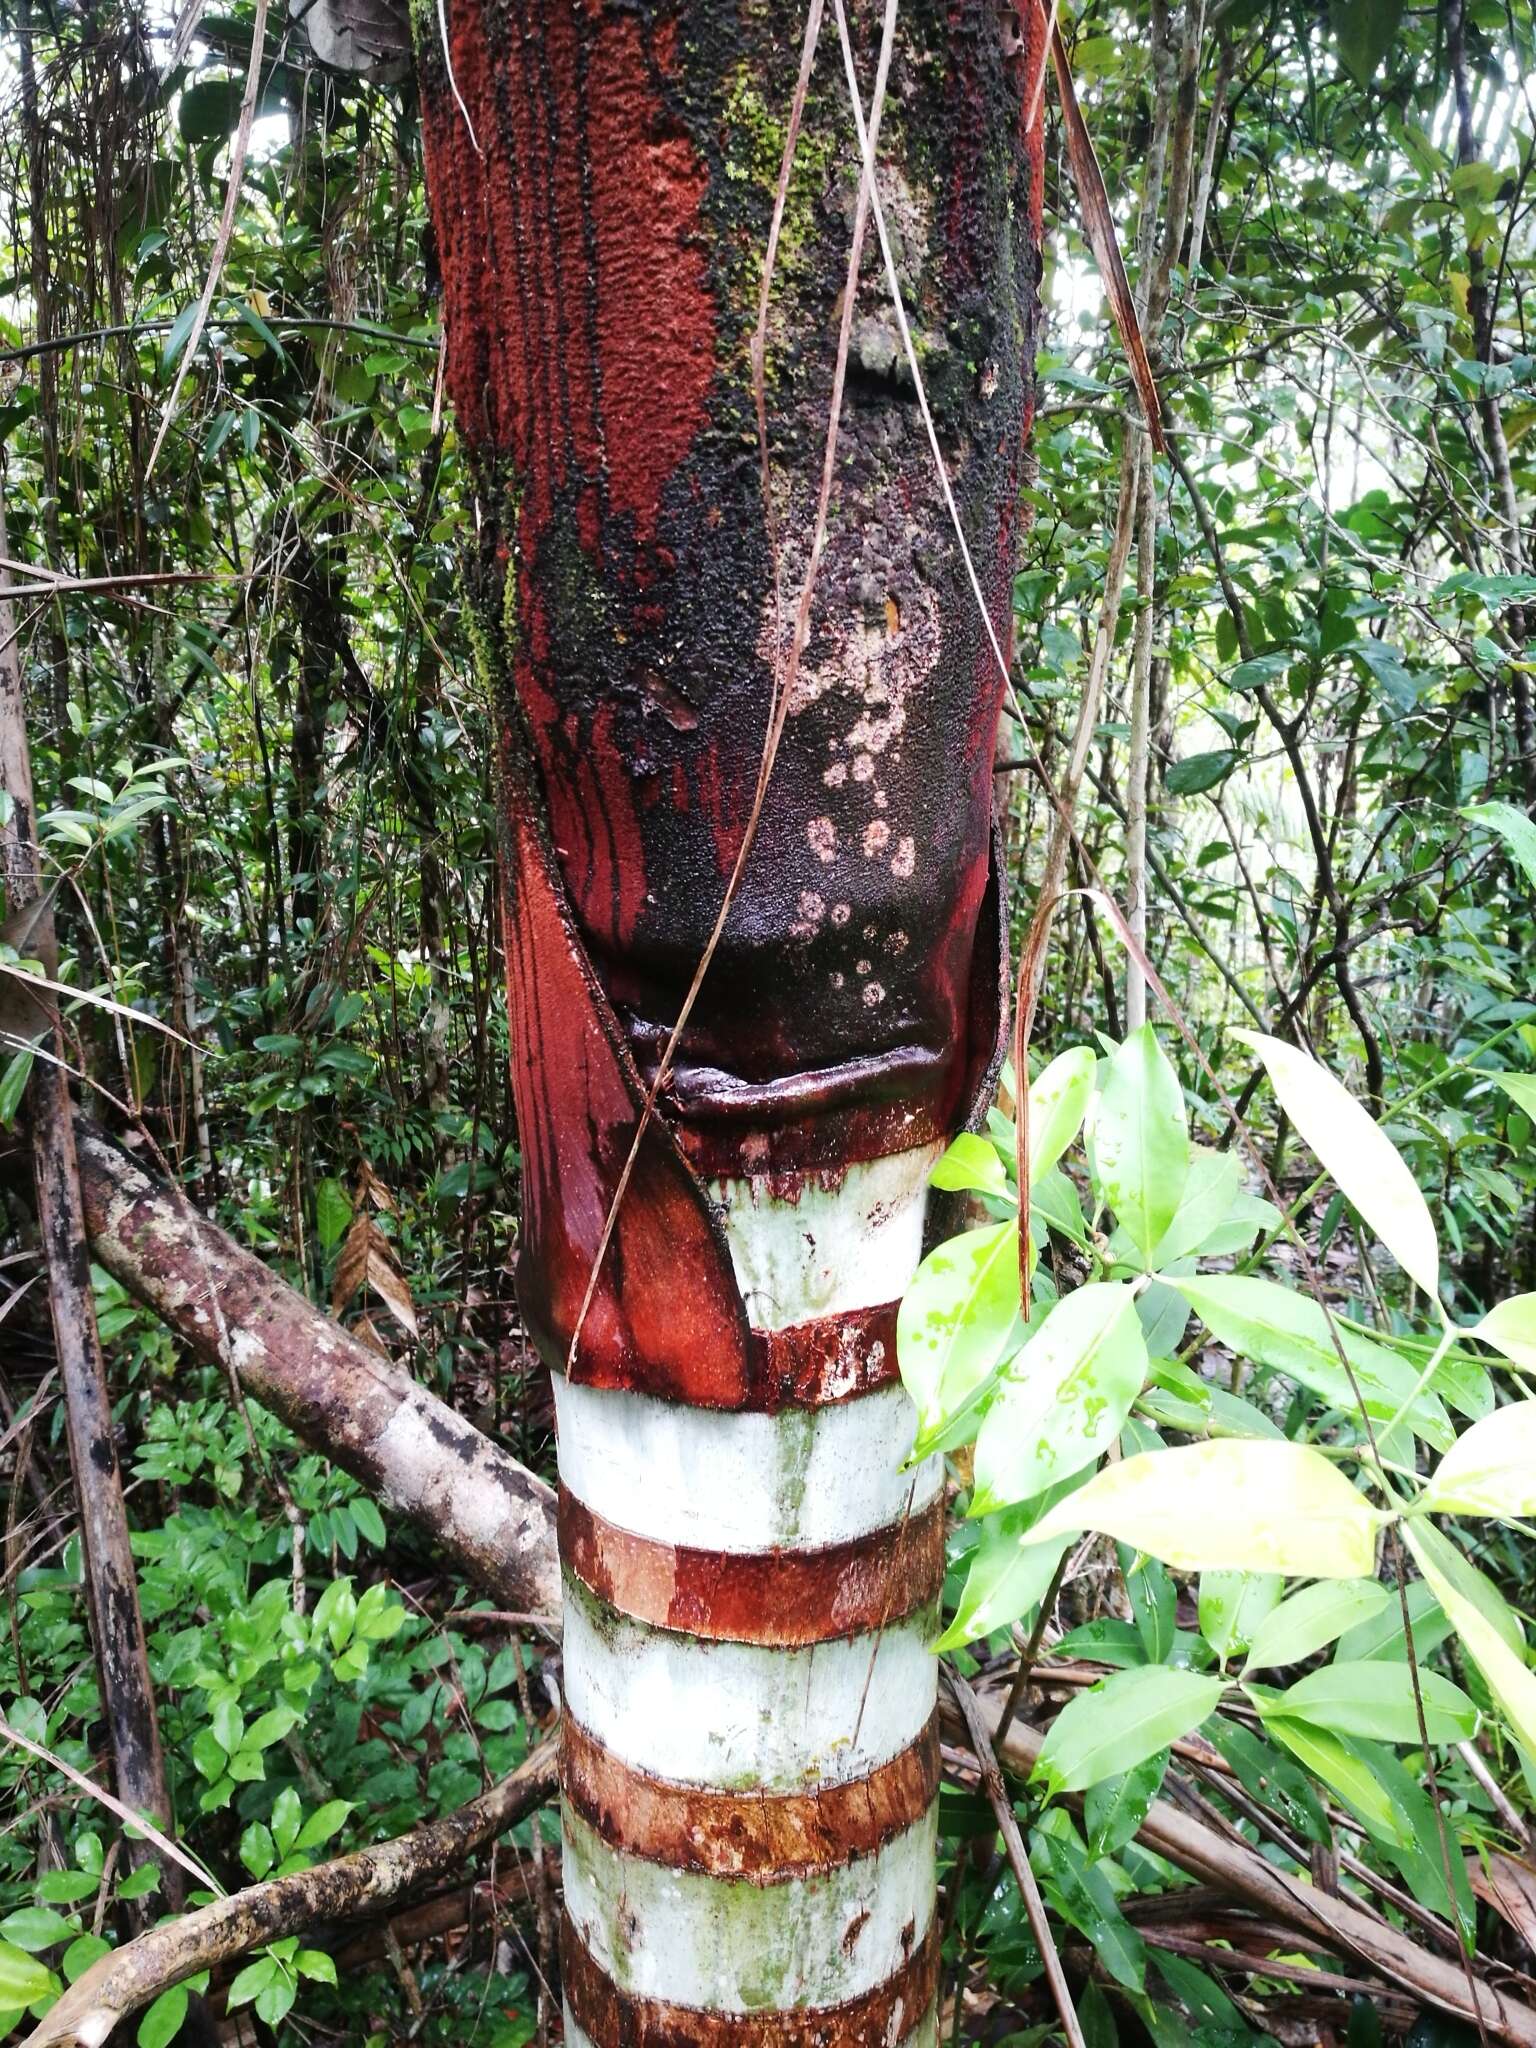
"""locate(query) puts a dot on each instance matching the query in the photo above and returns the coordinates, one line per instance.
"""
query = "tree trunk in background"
(751, 1578)
(111, 1582)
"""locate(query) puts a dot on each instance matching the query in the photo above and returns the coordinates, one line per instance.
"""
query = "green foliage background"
(266, 772)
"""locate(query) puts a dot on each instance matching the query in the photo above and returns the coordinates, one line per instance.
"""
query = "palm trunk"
(750, 1575)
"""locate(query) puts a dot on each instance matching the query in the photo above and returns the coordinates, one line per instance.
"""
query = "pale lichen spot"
(841, 912)
(813, 909)
(874, 992)
(864, 768)
(877, 836)
(904, 861)
(822, 834)
(835, 776)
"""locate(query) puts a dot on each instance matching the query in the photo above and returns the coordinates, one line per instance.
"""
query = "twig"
(237, 154)
(1018, 1856)
(1026, 1669)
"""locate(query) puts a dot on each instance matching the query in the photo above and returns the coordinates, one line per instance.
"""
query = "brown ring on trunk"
(765, 1838)
(783, 1598)
(612, 2018)
(814, 1364)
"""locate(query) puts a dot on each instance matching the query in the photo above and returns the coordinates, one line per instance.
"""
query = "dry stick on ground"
(1335, 1925)
(1018, 1856)
(490, 1514)
(117, 1625)
(353, 1885)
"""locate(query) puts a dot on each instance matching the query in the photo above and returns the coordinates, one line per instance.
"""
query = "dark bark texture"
(602, 199)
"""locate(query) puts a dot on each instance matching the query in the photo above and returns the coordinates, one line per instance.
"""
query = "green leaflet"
(1141, 1140)
(1122, 1722)
(1062, 1400)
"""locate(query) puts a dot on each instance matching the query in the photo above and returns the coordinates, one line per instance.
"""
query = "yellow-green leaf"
(1058, 1102)
(1377, 1701)
(22, 1978)
(1465, 1595)
(971, 1166)
(1491, 1470)
(1243, 1505)
(1064, 1399)
(1313, 1618)
(1510, 1327)
(1357, 1152)
(1338, 1767)
(957, 1317)
(1141, 1140)
(1288, 1332)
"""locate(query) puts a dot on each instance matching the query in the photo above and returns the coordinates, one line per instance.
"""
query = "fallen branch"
(983, 1743)
(489, 1514)
(1324, 1920)
(135, 1974)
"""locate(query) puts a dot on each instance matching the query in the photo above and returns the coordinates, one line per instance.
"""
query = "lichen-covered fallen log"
(132, 1976)
(493, 1518)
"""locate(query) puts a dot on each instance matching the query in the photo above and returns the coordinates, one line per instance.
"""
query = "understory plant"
(1137, 1372)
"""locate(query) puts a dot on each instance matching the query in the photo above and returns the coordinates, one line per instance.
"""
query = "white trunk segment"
(737, 1716)
(850, 1244)
(713, 1480)
(728, 1716)
(730, 1945)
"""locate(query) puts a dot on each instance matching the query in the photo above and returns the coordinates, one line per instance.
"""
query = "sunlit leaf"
(1377, 1701)
(1063, 1399)
(1141, 1140)
(1210, 1192)
(957, 1317)
(1474, 1608)
(1008, 1576)
(1341, 1769)
(1058, 1102)
(1247, 1506)
(1234, 1605)
(970, 1166)
(1520, 1088)
(1491, 1469)
(1289, 1332)
(1313, 1618)
(22, 1978)
(1358, 1154)
(1510, 1327)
